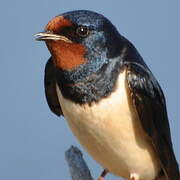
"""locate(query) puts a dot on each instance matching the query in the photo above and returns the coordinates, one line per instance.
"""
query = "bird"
(97, 80)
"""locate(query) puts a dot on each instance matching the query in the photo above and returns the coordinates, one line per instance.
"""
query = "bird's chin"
(67, 56)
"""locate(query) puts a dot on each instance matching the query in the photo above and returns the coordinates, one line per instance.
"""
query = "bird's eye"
(82, 31)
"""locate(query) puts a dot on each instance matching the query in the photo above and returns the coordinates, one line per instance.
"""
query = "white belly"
(111, 133)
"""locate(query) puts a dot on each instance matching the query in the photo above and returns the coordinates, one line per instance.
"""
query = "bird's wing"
(50, 88)
(149, 102)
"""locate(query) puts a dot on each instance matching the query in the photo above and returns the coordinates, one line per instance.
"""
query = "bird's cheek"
(67, 56)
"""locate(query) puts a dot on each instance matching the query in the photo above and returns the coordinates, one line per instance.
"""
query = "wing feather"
(149, 101)
(50, 88)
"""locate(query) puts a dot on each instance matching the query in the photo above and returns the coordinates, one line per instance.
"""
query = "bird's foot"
(103, 174)
(134, 176)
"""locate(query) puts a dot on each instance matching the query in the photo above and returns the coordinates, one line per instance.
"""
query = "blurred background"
(32, 139)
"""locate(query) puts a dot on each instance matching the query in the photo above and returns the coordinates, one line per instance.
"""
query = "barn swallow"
(113, 104)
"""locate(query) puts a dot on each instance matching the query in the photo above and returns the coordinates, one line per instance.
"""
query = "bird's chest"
(92, 123)
(109, 130)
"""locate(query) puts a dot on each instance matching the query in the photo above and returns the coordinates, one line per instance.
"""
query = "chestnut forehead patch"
(57, 23)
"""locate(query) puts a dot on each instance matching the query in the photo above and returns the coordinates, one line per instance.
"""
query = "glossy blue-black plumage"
(99, 23)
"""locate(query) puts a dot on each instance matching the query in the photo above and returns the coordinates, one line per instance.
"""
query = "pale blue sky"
(32, 139)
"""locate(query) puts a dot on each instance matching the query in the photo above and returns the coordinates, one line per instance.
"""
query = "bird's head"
(81, 41)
